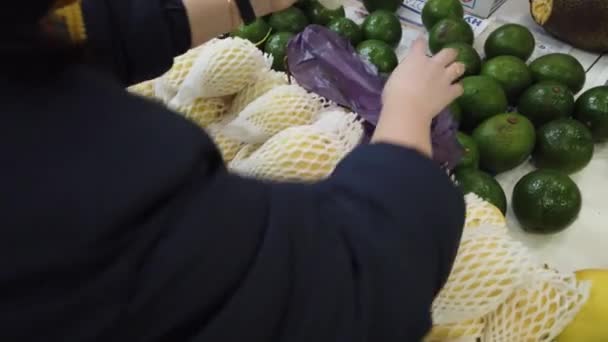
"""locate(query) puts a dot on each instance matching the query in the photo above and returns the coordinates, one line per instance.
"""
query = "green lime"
(510, 40)
(347, 29)
(559, 67)
(470, 156)
(483, 97)
(435, 10)
(511, 72)
(383, 25)
(256, 32)
(546, 101)
(483, 185)
(468, 56)
(456, 111)
(505, 141)
(276, 46)
(379, 54)
(387, 5)
(546, 201)
(447, 31)
(320, 15)
(564, 145)
(291, 20)
(592, 111)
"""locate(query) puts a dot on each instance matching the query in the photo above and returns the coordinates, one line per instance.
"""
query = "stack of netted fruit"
(512, 110)
(270, 129)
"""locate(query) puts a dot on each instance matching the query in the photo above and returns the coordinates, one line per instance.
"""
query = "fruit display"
(546, 201)
(582, 24)
(268, 127)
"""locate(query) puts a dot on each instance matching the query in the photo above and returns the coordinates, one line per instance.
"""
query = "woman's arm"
(138, 39)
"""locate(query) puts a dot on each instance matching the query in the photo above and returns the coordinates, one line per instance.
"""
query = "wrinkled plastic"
(325, 63)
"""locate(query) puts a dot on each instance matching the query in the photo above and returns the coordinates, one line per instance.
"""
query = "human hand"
(418, 89)
(265, 7)
(423, 86)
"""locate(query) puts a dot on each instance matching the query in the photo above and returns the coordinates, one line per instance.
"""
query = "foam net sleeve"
(281, 107)
(222, 67)
(538, 311)
(267, 81)
(303, 153)
(489, 266)
(205, 111)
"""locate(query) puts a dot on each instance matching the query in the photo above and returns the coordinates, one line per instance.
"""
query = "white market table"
(585, 243)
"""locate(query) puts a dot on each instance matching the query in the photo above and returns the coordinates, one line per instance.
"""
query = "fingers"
(446, 56)
(456, 90)
(455, 71)
(419, 46)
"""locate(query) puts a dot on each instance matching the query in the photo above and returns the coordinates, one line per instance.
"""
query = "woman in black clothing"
(120, 222)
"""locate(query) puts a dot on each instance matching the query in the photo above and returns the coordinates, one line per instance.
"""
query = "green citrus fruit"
(483, 97)
(276, 46)
(435, 10)
(291, 20)
(468, 56)
(511, 72)
(320, 15)
(546, 101)
(379, 54)
(470, 156)
(546, 201)
(510, 40)
(483, 185)
(592, 110)
(256, 32)
(347, 29)
(383, 25)
(559, 67)
(564, 145)
(505, 141)
(447, 31)
(387, 5)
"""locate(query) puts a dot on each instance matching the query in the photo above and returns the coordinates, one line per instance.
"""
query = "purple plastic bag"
(325, 63)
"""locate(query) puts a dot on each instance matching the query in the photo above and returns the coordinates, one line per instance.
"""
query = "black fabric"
(121, 223)
(136, 39)
(246, 11)
(23, 14)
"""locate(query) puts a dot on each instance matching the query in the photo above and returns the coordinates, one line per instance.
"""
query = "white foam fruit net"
(279, 108)
(538, 311)
(168, 84)
(205, 111)
(228, 147)
(466, 331)
(265, 82)
(222, 67)
(303, 153)
(489, 266)
(481, 212)
(144, 89)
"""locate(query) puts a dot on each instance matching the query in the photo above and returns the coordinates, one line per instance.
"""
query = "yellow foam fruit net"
(267, 81)
(538, 311)
(303, 153)
(167, 85)
(279, 108)
(144, 89)
(467, 331)
(228, 147)
(481, 212)
(222, 67)
(205, 111)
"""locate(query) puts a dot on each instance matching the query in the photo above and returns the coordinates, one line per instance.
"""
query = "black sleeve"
(359, 257)
(136, 39)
